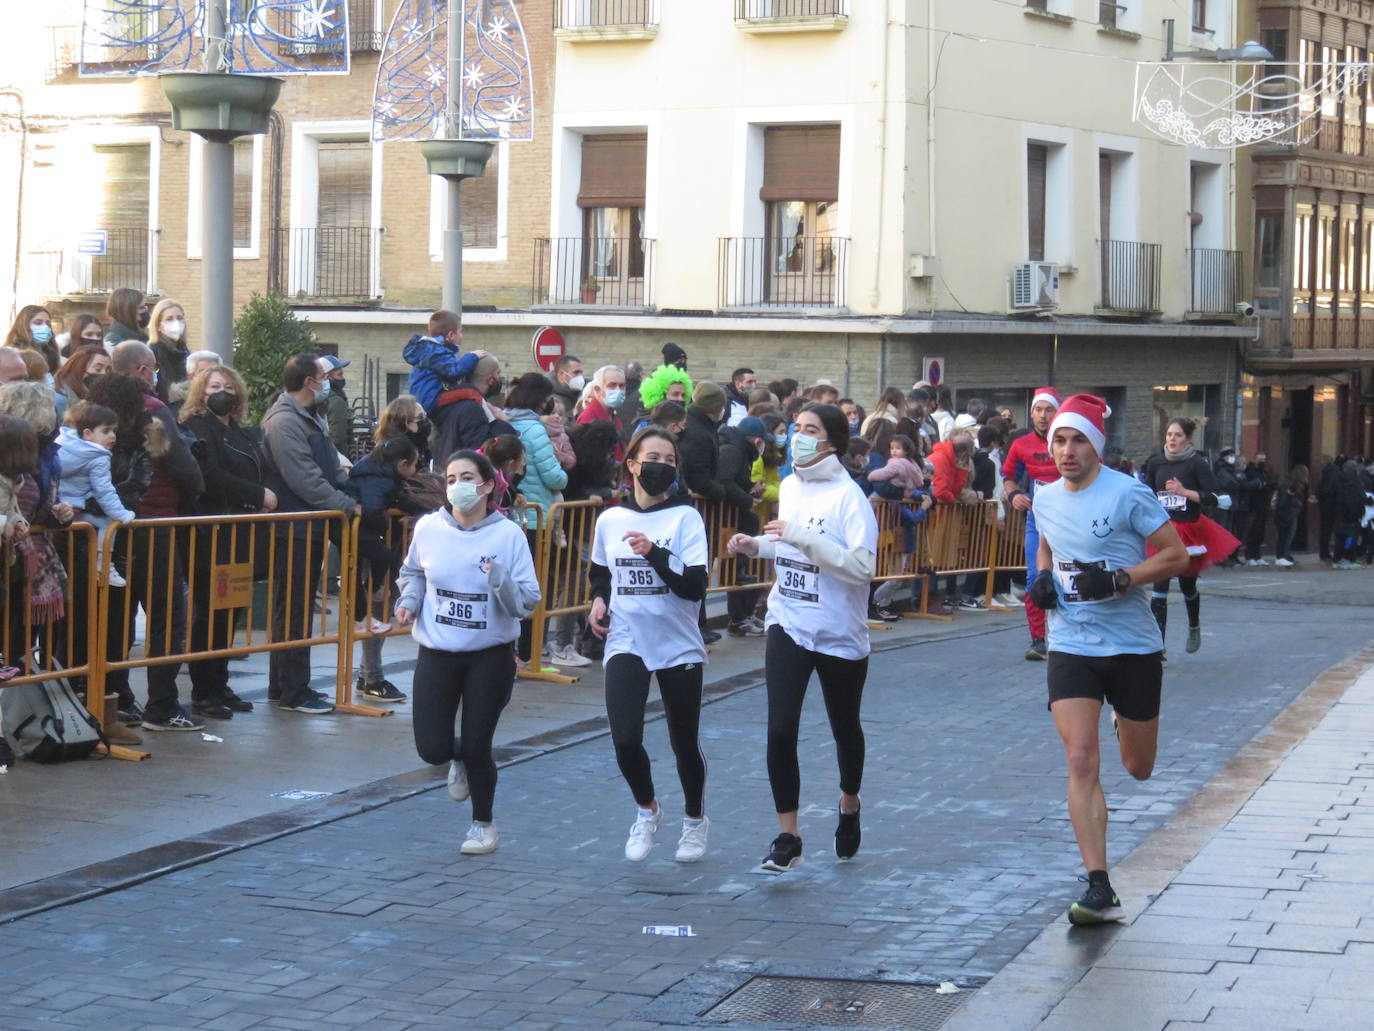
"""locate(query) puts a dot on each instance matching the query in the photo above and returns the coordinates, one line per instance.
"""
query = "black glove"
(1093, 583)
(1043, 594)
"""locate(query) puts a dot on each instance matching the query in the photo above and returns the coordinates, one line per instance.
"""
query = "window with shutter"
(121, 170)
(345, 177)
(481, 199)
(612, 198)
(243, 193)
(801, 163)
(1037, 158)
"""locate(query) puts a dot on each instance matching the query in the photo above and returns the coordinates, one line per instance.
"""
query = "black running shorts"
(1130, 684)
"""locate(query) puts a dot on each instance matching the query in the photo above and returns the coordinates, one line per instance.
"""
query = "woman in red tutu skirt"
(1183, 482)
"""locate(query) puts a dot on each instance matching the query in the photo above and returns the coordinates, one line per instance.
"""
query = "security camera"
(1245, 309)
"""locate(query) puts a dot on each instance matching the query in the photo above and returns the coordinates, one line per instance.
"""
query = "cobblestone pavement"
(375, 921)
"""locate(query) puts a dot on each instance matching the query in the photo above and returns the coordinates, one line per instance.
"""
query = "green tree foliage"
(266, 334)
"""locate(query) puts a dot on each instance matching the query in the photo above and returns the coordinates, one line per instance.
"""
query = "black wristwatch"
(1123, 581)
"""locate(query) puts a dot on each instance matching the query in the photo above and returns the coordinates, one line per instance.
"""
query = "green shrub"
(266, 334)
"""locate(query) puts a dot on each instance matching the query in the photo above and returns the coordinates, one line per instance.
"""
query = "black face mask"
(514, 480)
(497, 385)
(420, 434)
(91, 379)
(339, 384)
(143, 318)
(657, 477)
(221, 403)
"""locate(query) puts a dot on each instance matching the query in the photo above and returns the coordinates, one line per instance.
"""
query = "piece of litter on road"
(301, 795)
(670, 930)
(4, 769)
(947, 988)
(212, 737)
(1309, 875)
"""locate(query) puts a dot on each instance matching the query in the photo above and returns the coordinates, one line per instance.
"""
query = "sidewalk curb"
(148, 864)
(1024, 992)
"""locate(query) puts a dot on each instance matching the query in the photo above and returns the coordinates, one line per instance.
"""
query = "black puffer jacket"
(234, 466)
(378, 489)
(699, 456)
(735, 467)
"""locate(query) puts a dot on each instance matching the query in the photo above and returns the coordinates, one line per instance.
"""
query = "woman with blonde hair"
(167, 338)
(891, 406)
(405, 417)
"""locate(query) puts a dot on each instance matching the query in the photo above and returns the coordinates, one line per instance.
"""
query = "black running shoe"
(1099, 905)
(381, 690)
(785, 853)
(132, 716)
(213, 708)
(1038, 650)
(847, 835)
(233, 702)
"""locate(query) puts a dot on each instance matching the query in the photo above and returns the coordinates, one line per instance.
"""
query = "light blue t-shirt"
(1105, 525)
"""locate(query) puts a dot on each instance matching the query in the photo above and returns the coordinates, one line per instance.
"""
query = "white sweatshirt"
(469, 589)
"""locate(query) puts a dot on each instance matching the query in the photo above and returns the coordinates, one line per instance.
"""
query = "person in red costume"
(1028, 464)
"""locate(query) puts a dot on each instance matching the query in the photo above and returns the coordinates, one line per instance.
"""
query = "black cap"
(1227, 451)
(672, 354)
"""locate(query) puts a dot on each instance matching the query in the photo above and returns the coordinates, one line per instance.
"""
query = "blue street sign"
(93, 241)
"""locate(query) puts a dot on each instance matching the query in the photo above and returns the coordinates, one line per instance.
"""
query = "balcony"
(598, 271)
(98, 262)
(337, 264)
(366, 31)
(764, 16)
(64, 51)
(783, 272)
(1325, 330)
(584, 21)
(1130, 278)
(1217, 284)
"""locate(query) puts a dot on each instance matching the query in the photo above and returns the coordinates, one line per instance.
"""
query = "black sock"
(1098, 877)
(1193, 603)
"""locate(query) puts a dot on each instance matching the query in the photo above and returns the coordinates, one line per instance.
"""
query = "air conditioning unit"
(1035, 284)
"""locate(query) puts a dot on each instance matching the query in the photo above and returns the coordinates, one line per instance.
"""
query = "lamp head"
(1252, 51)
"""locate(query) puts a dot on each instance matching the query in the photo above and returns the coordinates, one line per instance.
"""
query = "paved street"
(376, 921)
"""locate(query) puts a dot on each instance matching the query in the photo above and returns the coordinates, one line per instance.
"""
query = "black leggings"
(482, 682)
(789, 667)
(627, 691)
(1159, 601)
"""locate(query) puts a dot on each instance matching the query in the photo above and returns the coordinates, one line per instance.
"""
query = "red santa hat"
(1085, 413)
(1045, 394)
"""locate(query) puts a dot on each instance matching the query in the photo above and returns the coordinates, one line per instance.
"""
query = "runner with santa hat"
(1027, 467)
(1104, 537)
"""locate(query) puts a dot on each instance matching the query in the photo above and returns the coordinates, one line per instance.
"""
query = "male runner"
(1104, 643)
(1028, 465)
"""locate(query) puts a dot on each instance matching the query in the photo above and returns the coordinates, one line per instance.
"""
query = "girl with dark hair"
(83, 330)
(594, 474)
(648, 573)
(466, 583)
(128, 312)
(1182, 480)
(824, 544)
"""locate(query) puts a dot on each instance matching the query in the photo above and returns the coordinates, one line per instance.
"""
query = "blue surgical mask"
(780, 439)
(804, 449)
(324, 389)
(41, 332)
(463, 496)
(615, 398)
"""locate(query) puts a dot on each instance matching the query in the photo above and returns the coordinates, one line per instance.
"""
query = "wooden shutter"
(1037, 156)
(801, 162)
(613, 171)
(480, 205)
(243, 192)
(1104, 193)
(345, 184)
(122, 174)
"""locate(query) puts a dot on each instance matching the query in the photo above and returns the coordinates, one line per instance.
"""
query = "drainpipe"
(18, 95)
(930, 145)
(882, 157)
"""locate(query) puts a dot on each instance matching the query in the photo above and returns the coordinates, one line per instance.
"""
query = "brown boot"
(115, 732)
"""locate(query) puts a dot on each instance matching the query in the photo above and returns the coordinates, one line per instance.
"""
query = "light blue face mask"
(780, 439)
(463, 496)
(614, 399)
(41, 332)
(804, 449)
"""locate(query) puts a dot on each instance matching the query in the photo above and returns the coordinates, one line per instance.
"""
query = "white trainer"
(641, 840)
(482, 838)
(569, 656)
(1285, 562)
(458, 781)
(692, 845)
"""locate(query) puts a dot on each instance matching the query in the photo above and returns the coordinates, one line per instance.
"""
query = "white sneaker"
(692, 845)
(371, 626)
(641, 840)
(457, 781)
(569, 656)
(482, 838)
(1262, 562)
(1252, 562)
(1283, 562)
(115, 579)
(1006, 601)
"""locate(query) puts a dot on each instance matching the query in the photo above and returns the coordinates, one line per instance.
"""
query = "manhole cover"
(833, 1003)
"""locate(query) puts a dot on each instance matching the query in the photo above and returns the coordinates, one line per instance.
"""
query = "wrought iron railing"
(782, 272)
(1108, 13)
(1130, 276)
(1217, 282)
(607, 271)
(597, 14)
(763, 10)
(328, 263)
(103, 261)
(363, 34)
(66, 50)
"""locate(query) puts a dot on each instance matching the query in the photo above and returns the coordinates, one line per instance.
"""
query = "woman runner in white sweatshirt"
(824, 544)
(466, 583)
(648, 572)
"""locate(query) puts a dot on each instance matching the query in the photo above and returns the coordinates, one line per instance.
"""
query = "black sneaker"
(213, 708)
(710, 636)
(381, 690)
(310, 704)
(177, 719)
(233, 702)
(785, 853)
(1099, 905)
(848, 835)
(882, 614)
(1038, 651)
(132, 716)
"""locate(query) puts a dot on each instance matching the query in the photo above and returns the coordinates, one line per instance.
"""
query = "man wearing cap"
(674, 355)
(1104, 643)
(336, 410)
(1028, 465)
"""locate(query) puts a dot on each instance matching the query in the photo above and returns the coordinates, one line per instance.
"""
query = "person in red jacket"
(603, 399)
(953, 461)
(1028, 464)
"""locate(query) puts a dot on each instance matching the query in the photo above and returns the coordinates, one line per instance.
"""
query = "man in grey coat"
(303, 470)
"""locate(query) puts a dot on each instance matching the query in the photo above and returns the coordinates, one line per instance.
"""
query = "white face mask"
(578, 382)
(463, 496)
(174, 329)
(804, 449)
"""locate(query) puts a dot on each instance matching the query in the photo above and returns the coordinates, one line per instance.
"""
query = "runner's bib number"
(799, 581)
(1172, 502)
(465, 611)
(635, 577)
(1066, 573)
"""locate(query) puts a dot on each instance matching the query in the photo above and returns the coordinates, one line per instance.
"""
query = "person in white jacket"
(467, 581)
(84, 445)
(824, 545)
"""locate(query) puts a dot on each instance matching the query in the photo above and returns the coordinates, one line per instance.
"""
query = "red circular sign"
(549, 346)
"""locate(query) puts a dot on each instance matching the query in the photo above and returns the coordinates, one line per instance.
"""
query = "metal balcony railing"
(65, 52)
(604, 14)
(328, 263)
(764, 10)
(364, 36)
(101, 261)
(1130, 276)
(606, 271)
(1217, 282)
(1109, 14)
(782, 272)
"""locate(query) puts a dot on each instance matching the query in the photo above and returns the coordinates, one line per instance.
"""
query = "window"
(483, 223)
(122, 172)
(1348, 273)
(1037, 160)
(332, 241)
(1268, 274)
(1328, 257)
(247, 196)
(611, 197)
(1200, 15)
(801, 190)
(1303, 276)
(1108, 13)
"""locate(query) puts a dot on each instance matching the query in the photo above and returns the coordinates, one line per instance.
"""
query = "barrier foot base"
(548, 678)
(931, 615)
(363, 710)
(874, 624)
(133, 755)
